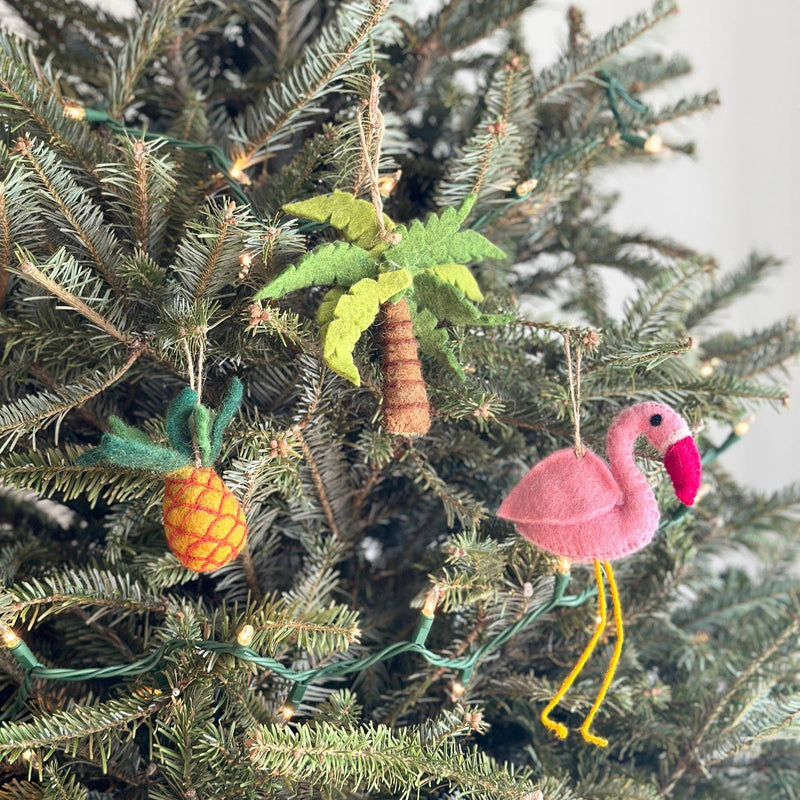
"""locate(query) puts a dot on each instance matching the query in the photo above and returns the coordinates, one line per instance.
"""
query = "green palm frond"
(334, 263)
(354, 219)
(439, 240)
(354, 311)
(448, 302)
(459, 276)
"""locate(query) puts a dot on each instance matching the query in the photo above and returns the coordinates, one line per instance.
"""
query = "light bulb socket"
(297, 695)
(424, 624)
(19, 649)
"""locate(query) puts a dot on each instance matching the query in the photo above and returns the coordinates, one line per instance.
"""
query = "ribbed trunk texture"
(406, 411)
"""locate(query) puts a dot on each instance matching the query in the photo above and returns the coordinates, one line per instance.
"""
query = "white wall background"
(742, 190)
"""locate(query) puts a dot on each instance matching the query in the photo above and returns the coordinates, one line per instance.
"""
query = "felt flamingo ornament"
(574, 504)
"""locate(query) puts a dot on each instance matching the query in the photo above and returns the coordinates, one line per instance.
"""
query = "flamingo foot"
(557, 728)
(591, 738)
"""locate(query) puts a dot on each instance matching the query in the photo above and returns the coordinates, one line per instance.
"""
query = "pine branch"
(70, 203)
(573, 65)
(723, 701)
(754, 353)
(97, 727)
(487, 164)
(340, 48)
(663, 298)
(146, 38)
(30, 98)
(474, 22)
(207, 258)
(729, 287)
(684, 108)
(105, 591)
(379, 759)
(282, 27)
(35, 412)
(457, 503)
(62, 261)
(319, 485)
(142, 186)
(319, 629)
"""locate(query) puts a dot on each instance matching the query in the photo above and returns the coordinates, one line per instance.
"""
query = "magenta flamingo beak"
(682, 462)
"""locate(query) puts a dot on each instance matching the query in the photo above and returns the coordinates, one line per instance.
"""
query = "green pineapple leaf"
(353, 218)
(439, 241)
(354, 311)
(448, 302)
(119, 428)
(334, 263)
(459, 276)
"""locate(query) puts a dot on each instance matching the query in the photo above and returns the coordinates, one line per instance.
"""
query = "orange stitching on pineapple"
(230, 542)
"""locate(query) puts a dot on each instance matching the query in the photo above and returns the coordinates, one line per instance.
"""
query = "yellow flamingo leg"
(612, 667)
(561, 730)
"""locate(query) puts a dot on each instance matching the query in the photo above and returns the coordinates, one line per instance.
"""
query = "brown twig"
(38, 277)
(319, 485)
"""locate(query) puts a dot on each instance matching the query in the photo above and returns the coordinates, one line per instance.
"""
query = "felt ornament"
(408, 280)
(203, 522)
(575, 505)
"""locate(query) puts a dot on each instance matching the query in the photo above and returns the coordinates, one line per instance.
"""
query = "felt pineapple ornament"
(203, 522)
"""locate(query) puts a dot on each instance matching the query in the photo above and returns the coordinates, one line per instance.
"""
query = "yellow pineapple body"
(203, 521)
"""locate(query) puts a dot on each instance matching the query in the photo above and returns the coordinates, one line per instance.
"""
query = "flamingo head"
(668, 432)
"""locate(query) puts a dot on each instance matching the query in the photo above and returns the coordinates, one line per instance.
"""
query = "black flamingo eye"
(655, 420)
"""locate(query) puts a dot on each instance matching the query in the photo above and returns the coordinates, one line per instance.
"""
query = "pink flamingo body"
(582, 508)
(585, 509)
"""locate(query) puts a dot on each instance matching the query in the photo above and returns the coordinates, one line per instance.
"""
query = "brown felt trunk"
(406, 411)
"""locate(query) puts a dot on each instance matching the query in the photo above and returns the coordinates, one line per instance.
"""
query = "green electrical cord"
(301, 678)
(214, 153)
(614, 90)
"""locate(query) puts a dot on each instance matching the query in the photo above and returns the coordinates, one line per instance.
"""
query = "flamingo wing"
(564, 488)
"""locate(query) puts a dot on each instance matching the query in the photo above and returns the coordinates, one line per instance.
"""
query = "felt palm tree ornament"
(204, 523)
(409, 279)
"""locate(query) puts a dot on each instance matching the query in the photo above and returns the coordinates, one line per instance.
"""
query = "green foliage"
(439, 240)
(378, 759)
(461, 278)
(342, 46)
(336, 262)
(190, 427)
(447, 301)
(145, 41)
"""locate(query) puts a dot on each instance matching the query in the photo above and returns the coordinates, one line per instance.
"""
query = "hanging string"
(371, 151)
(574, 381)
(189, 360)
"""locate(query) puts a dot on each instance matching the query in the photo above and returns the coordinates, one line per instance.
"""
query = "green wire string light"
(614, 91)
(232, 173)
(302, 679)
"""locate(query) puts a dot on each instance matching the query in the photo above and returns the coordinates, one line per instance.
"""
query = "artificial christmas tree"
(382, 632)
